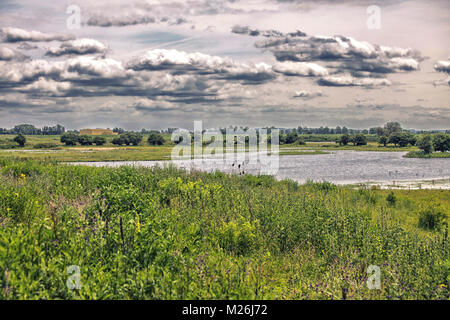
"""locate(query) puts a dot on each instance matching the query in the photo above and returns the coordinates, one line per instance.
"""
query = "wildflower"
(16, 194)
(23, 176)
(8, 210)
(138, 226)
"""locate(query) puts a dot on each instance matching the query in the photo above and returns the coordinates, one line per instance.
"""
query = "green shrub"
(238, 236)
(391, 199)
(432, 218)
(45, 145)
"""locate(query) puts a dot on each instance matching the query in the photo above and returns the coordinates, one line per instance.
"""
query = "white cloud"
(305, 94)
(10, 34)
(442, 66)
(290, 68)
(202, 64)
(78, 47)
(348, 81)
(8, 54)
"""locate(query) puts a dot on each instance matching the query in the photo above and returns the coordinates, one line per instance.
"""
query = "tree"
(379, 131)
(129, 138)
(99, 141)
(406, 138)
(155, 139)
(291, 137)
(132, 138)
(85, 140)
(69, 138)
(395, 138)
(345, 139)
(383, 140)
(26, 129)
(359, 140)
(118, 141)
(20, 139)
(441, 142)
(300, 141)
(425, 143)
(118, 130)
(392, 127)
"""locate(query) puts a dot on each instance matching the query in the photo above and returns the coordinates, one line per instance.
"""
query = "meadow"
(49, 148)
(163, 233)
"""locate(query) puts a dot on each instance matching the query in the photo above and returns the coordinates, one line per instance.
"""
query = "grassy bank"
(140, 233)
(421, 154)
(49, 148)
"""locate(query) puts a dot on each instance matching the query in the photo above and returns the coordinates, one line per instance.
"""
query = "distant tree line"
(30, 130)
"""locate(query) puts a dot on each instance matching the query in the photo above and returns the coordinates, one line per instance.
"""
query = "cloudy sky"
(165, 63)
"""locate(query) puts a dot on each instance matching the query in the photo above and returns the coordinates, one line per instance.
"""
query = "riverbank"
(423, 155)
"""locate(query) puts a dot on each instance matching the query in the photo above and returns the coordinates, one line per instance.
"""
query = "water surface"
(339, 167)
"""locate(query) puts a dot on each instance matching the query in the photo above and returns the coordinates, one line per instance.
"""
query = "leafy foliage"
(141, 233)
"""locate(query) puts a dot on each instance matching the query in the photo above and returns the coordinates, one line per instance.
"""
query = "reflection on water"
(340, 167)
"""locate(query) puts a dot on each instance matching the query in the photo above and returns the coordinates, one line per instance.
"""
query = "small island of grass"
(422, 154)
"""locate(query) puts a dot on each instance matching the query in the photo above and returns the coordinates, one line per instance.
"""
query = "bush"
(359, 140)
(70, 139)
(432, 218)
(118, 141)
(441, 142)
(391, 199)
(238, 237)
(425, 143)
(99, 141)
(383, 140)
(291, 138)
(20, 139)
(85, 140)
(155, 139)
(345, 139)
(48, 145)
(300, 141)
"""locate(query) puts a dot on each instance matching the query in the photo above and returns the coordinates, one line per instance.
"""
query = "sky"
(156, 64)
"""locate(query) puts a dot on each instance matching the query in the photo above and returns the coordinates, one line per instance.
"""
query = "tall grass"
(162, 233)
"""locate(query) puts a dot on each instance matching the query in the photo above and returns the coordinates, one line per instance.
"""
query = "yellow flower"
(16, 194)
(138, 226)
(23, 176)
(8, 210)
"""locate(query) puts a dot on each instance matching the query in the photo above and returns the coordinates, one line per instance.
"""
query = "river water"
(339, 167)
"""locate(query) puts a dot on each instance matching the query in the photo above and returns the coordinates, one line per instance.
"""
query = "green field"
(141, 233)
(109, 152)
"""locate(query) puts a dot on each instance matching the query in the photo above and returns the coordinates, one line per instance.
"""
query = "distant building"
(98, 132)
